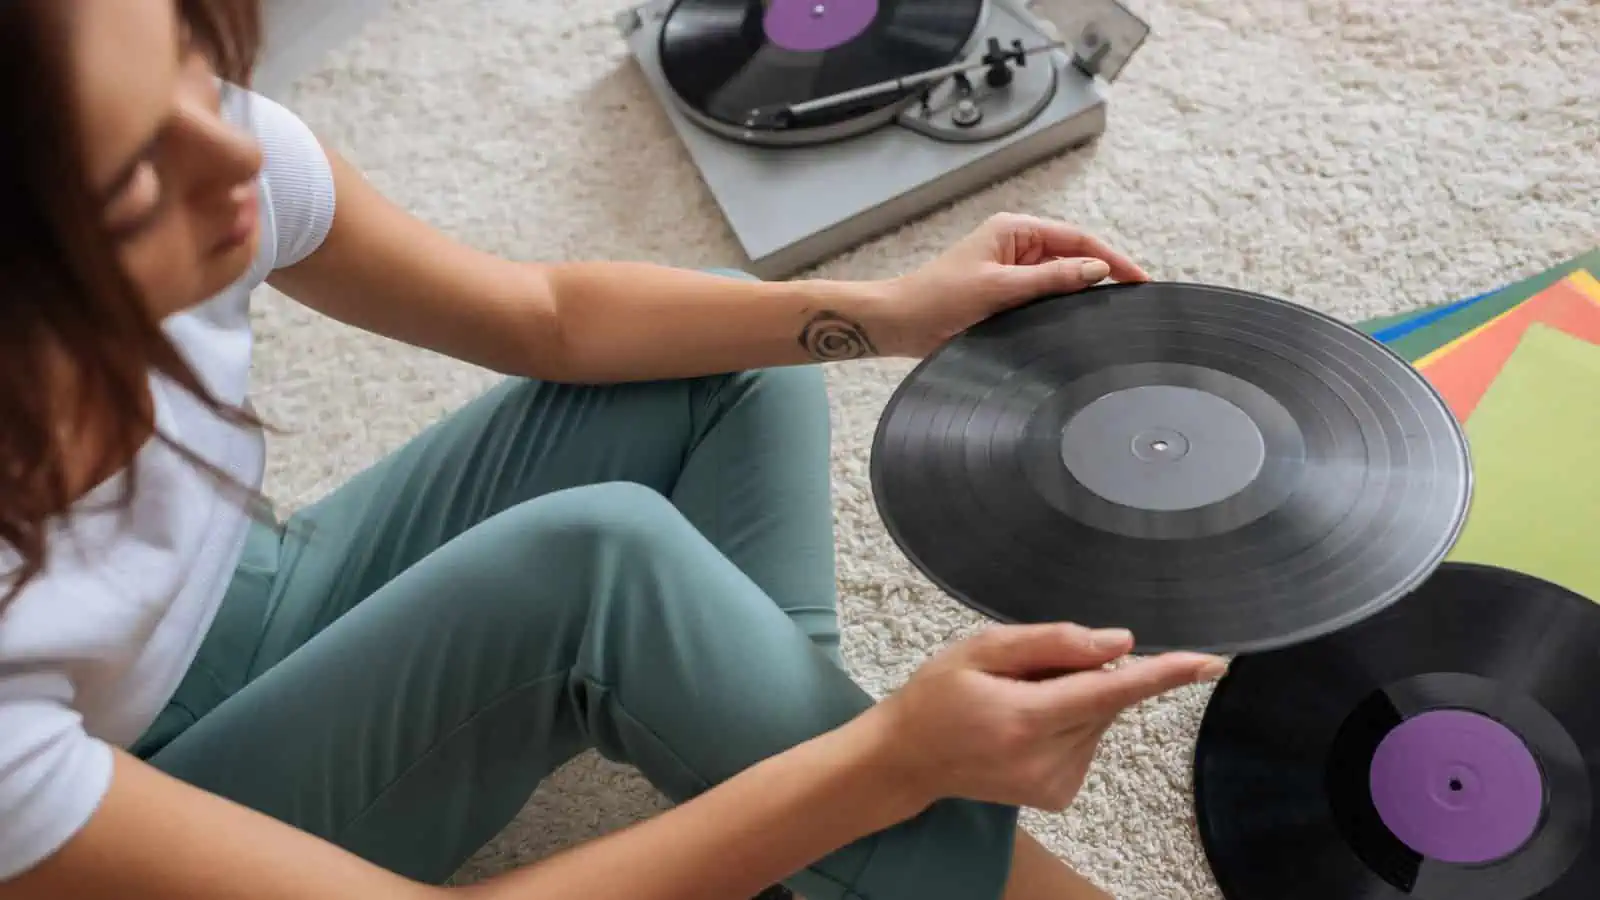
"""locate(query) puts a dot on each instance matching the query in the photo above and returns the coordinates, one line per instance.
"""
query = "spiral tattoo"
(830, 337)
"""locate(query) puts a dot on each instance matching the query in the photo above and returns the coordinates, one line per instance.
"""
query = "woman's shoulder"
(297, 189)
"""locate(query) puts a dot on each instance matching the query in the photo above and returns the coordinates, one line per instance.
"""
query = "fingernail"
(1213, 670)
(1109, 638)
(1093, 270)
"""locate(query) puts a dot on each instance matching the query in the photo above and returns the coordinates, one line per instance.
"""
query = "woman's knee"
(623, 514)
(726, 272)
(789, 402)
(588, 552)
(797, 395)
(567, 543)
(801, 389)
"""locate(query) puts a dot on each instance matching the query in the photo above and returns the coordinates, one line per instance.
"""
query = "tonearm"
(996, 61)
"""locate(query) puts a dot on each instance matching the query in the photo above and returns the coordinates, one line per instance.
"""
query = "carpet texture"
(1358, 156)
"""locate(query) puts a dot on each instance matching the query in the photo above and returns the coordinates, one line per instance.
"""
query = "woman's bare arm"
(383, 270)
(157, 838)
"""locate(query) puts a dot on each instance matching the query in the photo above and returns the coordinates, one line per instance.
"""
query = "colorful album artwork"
(1536, 504)
(1419, 343)
(1463, 369)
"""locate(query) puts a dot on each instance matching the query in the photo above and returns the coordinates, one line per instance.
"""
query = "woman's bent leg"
(744, 457)
(415, 726)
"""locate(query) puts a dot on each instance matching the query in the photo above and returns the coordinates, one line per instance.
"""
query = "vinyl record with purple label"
(1213, 469)
(1445, 749)
(730, 59)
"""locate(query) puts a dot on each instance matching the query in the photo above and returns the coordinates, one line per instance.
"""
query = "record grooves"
(1214, 469)
(1447, 748)
(726, 60)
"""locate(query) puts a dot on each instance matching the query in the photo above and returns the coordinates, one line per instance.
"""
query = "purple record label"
(808, 26)
(1457, 787)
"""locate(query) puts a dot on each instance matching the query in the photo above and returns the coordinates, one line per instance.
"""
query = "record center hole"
(1455, 784)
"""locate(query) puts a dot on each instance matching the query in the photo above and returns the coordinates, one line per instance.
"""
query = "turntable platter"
(726, 60)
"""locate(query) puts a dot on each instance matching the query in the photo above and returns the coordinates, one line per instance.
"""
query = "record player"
(819, 124)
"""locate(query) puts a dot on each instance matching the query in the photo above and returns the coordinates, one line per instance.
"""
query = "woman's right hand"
(1014, 715)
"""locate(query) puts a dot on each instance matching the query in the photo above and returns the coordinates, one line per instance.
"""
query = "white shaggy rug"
(1360, 156)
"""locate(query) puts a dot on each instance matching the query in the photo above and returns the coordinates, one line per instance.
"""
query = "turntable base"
(793, 207)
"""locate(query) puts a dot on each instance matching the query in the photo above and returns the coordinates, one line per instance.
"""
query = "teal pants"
(643, 569)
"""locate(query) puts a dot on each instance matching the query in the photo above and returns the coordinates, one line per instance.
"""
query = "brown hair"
(63, 294)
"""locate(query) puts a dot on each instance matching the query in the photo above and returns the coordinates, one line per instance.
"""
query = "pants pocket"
(222, 665)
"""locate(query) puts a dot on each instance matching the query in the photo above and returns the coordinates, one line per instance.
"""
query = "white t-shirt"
(92, 649)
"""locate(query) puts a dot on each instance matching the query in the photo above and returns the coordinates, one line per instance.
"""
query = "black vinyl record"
(1215, 470)
(1447, 748)
(727, 59)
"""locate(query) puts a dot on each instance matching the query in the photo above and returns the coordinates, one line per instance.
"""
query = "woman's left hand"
(1009, 260)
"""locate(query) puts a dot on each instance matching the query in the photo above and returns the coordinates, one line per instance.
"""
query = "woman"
(625, 546)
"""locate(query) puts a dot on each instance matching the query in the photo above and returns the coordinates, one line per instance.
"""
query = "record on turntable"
(789, 73)
(1213, 469)
(753, 70)
(1447, 748)
(818, 124)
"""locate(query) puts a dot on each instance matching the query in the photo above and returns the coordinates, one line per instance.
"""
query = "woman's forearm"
(637, 321)
(753, 830)
(383, 270)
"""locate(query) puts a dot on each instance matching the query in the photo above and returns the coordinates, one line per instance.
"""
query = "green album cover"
(1431, 337)
(1425, 340)
(1531, 511)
